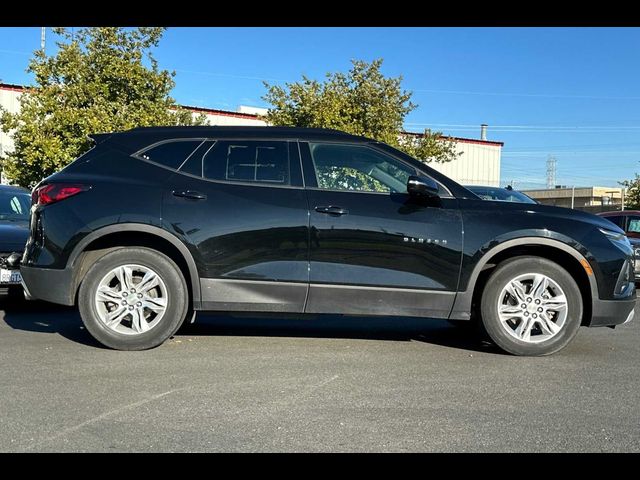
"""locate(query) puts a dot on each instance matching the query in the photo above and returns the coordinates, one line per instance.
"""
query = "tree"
(361, 102)
(100, 80)
(632, 195)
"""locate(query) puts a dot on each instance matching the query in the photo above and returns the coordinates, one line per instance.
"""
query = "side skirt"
(232, 295)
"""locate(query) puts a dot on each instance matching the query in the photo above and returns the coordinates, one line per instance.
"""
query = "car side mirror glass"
(424, 186)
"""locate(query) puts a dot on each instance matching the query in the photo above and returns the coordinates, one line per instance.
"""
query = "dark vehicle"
(155, 223)
(629, 221)
(500, 194)
(15, 203)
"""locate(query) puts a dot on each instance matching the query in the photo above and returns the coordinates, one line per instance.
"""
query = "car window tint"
(358, 168)
(14, 205)
(248, 161)
(171, 154)
(617, 219)
(193, 164)
(633, 224)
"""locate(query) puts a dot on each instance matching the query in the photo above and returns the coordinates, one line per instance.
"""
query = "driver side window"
(358, 168)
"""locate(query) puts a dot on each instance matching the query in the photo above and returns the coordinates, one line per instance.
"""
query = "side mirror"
(422, 186)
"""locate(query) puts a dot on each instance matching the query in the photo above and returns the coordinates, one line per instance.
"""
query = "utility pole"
(573, 195)
(551, 171)
(43, 31)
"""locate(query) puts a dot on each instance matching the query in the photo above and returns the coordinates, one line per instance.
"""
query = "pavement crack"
(102, 416)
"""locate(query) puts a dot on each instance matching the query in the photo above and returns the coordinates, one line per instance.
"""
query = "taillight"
(54, 192)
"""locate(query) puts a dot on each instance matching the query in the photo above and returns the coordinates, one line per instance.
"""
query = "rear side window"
(248, 161)
(171, 154)
(617, 219)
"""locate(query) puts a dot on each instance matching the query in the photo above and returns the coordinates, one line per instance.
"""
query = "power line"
(533, 95)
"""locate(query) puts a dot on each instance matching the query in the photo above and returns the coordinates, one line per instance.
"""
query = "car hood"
(13, 235)
(551, 211)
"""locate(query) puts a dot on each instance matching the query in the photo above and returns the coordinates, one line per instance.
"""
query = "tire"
(544, 338)
(164, 305)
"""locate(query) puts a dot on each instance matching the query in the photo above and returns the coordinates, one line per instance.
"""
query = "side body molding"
(144, 228)
(462, 305)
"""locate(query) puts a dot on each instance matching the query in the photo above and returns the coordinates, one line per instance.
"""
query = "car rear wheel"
(133, 299)
(531, 306)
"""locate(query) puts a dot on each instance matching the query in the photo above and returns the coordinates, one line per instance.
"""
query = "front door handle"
(332, 210)
(190, 194)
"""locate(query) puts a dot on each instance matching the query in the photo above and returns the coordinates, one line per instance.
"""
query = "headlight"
(614, 235)
(620, 240)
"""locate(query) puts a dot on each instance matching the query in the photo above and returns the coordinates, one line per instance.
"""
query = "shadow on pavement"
(43, 317)
(437, 332)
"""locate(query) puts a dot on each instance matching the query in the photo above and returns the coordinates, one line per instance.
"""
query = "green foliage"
(361, 102)
(100, 80)
(632, 195)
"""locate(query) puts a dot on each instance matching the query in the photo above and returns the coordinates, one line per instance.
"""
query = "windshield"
(500, 194)
(14, 205)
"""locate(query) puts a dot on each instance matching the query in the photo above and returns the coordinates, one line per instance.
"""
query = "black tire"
(500, 277)
(177, 304)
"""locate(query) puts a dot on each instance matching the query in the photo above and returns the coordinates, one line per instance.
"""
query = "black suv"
(154, 224)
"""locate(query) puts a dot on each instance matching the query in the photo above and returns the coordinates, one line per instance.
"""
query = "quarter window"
(248, 161)
(633, 225)
(358, 168)
(171, 154)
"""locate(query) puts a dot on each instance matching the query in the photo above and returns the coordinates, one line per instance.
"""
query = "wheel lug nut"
(537, 302)
(139, 304)
(139, 295)
(539, 309)
(124, 302)
(524, 305)
(526, 314)
(529, 299)
(130, 307)
(534, 315)
(124, 294)
(133, 290)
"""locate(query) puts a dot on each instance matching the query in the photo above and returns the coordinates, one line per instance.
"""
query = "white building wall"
(479, 164)
(228, 119)
(9, 100)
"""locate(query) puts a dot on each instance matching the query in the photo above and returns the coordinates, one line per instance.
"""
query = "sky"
(570, 93)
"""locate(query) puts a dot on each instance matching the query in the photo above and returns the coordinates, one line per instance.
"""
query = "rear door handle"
(190, 194)
(332, 210)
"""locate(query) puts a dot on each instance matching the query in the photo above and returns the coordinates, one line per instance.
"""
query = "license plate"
(10, 276)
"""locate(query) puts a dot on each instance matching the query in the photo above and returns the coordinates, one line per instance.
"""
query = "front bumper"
(48, 284)
(608, 313)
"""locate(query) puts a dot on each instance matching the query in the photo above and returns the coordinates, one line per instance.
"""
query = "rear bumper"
(48, 284)
(608, 313)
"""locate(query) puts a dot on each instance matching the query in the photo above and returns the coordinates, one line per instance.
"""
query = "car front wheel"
(133, 299)
(531, 306)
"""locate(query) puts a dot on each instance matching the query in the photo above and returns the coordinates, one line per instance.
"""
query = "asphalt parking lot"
(328, 384)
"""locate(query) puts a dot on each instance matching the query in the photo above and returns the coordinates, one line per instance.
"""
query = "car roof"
(471, 187)
(13, 188)
(140, 137)
(619, 212)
